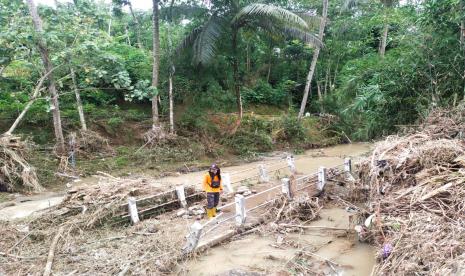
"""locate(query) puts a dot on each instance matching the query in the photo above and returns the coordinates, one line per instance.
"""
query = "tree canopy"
(382, 63)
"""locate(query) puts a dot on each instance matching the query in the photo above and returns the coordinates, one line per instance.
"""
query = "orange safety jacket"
(207, 180)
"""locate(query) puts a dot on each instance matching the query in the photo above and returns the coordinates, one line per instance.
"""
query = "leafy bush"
(195, 120)
(290, 129)
(215, 98)
(245, 142)
(115, 122)
(264, 93)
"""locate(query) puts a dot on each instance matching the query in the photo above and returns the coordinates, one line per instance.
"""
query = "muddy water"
(305, 163)
(27, 208)
(260, 253)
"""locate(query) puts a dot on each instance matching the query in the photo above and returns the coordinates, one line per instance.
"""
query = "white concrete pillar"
(321, 178)
(180, 192)
(291, 163)
(240, 210)
(286, 187)
(348, 165)
(195, 231)
(132, 207)
(226, 181)
(263, 174)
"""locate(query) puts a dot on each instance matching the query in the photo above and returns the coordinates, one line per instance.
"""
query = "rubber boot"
(213, 211)
(209, 213)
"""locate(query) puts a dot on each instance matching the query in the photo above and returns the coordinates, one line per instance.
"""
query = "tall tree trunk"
(321, 34)
(327, 77)
(82, 118)
(127, 34)
(270, 57)
(382, 47)
(170, 92)
(156, 62)
(248, 58)
(171, 70)
(237, 86)
(136, 23)
(111, 16)
(462, 43)
(42, 46)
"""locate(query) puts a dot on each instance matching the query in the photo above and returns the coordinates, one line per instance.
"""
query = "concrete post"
(180, 192)
(132, 207)
(321, 178)
(195, 231)
(291, 163)
(286, 187)
(240, 210)
(348, 165)
(263, 174)
(226, 179)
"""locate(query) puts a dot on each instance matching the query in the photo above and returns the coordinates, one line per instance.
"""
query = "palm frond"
(263, 10)
(188, 40)
(204, 48)
(304, 36)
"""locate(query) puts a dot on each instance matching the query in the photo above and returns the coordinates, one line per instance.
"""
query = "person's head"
(214, 169)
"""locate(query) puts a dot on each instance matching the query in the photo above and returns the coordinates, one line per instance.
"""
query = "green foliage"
(248, 143)
(292, 128)
(264, 93)
(368, 95)
(115, 122)
(195, 120)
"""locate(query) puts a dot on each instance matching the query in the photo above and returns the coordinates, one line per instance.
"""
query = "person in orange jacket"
(212, 185)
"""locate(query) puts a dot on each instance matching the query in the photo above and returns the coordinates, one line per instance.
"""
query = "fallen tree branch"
(37, 90)
(16, 256)
(51, 252)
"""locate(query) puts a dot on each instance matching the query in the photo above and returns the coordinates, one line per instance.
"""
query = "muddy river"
(260, 254)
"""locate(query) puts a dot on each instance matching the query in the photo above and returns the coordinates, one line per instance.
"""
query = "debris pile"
(89, 241)
(193, 211)
(150, 248)
(301, 208)
(15, 172)
(245, 191)
(88, 143)
(108, 203)
(417, 191)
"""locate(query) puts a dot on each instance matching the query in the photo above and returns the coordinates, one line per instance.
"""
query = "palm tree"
(233, 18)
(321, 33)
(156, 63)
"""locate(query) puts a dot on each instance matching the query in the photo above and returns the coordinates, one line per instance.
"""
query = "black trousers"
(212, 200)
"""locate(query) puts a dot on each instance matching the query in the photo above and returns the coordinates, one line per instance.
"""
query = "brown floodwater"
(259, 254)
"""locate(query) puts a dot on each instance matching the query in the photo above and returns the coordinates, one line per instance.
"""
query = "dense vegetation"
(381, 64)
